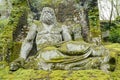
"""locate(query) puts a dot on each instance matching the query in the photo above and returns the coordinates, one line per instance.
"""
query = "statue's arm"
(66, 33)
(28, 42)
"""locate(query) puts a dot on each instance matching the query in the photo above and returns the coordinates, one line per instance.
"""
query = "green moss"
(49, 48)
(64, 48)
(88, 75)
(95, 32)
(37, 22)
(114, 49)
(118, 63)
(3, 23)
(58, 75)
(19, 7)
(94, 22)
(32, 63)
(113, 60)
(15, 50)
(5, 42)
(30, 74)
(3, 64)
(115, 75)
(50, 2)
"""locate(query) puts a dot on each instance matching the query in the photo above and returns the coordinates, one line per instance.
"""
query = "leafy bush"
(115, 31)
(115, 35)
(3, 23)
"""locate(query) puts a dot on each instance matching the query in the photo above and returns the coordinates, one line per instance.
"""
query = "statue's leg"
(95, 58)
(44, 66)
(74, 62)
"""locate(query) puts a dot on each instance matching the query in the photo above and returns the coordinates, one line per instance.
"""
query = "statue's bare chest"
(52, 36)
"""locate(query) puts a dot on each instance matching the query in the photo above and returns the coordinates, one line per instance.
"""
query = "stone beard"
(48, 16)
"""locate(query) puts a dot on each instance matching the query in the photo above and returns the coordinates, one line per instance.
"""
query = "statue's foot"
(15, 65)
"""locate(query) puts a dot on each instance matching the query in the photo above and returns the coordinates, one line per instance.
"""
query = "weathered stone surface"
(66, 33)
(82, 56)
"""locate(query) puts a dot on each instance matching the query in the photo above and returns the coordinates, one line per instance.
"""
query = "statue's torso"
(48, 35)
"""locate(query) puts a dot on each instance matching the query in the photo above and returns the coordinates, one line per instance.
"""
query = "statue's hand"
(14, 66)
(18, 63)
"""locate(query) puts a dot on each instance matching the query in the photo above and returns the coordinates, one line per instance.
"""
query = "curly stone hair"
(48, 16)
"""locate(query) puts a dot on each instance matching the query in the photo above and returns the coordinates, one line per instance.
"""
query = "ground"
(31, 74)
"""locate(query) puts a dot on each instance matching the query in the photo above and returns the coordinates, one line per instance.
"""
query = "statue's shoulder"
(38, 24)
(32, 27)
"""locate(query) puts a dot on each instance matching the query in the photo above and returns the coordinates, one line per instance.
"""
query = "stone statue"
(56, 50)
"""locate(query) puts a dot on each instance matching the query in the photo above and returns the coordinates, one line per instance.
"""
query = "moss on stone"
(32, 63)
(5, 42)
(65, 50)
(49, 48)
(3, 64)
(114, 49)
(15, 50)
(38, 23)
(118, 63)
(115, 75)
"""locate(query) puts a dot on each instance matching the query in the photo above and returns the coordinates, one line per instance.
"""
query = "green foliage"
(115, 31)
(115, 35)
(5, 39)
(3, 23)
(19, 8)
(38, 4)
(93, 15)
(105, 25)
(117, 21)
(17, 2)
(114, 28)
(7, 26)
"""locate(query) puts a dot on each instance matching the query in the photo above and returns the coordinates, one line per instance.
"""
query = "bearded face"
(48, 16)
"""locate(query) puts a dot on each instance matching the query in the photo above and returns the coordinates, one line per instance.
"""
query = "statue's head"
(48, 16)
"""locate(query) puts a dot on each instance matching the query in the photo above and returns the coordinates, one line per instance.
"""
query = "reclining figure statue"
(57, 50)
